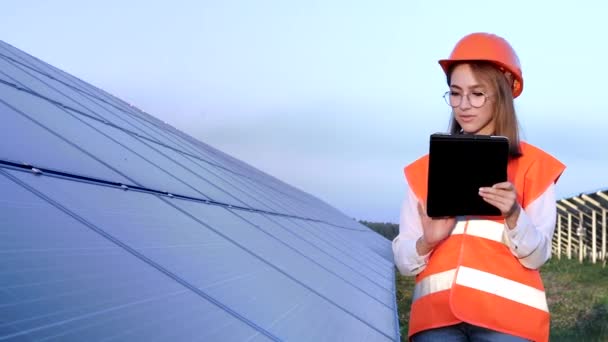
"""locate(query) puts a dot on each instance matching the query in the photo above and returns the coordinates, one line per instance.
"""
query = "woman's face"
(475, 112)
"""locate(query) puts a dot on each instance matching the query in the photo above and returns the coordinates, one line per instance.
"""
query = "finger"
(498, 192)
(499, 205)
(506, 207)
(505, 201)
(494, 198)
(500, 201)
(504, 185)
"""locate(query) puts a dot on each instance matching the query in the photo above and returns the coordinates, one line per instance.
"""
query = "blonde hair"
(505, 119)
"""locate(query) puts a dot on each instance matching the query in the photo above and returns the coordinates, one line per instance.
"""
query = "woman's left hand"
(504, 197)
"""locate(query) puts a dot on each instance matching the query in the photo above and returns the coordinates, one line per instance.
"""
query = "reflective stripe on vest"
(482, 281)
(486, 229)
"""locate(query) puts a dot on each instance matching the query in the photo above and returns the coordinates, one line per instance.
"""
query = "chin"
(467, 129)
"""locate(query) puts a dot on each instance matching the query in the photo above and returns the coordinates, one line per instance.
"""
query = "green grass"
(577, 295)
(578, 300)
(405, 288)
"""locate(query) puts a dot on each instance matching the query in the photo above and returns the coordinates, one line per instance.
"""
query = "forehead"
(463, 77)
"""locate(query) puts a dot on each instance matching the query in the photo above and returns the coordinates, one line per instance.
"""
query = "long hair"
(505, 119)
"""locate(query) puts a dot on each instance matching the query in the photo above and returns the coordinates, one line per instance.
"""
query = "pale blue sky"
(333, 97)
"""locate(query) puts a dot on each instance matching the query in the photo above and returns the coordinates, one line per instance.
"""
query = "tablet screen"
(458, 166)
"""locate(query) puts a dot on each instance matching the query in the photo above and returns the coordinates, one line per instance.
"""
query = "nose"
(465, 103)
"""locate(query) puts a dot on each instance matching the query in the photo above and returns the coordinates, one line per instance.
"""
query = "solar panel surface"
(118, 227)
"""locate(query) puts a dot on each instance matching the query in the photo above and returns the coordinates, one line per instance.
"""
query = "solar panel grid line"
(140, 256)
(244, 174)
(92, 101)
(98, 321)
(251, 189)
(235, 200)
(127, 110)
(109, 138)
(3, 260)
(357, 242)
(97, 181)
(239, 176)
(284, 315)
(276, 268)
(115, 173)
(335, 244)
(93, 115)
(376, 243)
(21, 87)
(316, 328)
(26, 81)
(272, 265)
(365, 254)
(99, 326)
(29, 60)
(55, 295)
(173, 335)
(172, 318)
(313, 261)
(122, 106)
(238, 194)
(86, 110)
(215, 164)
(35, 69)
(72, 318)
(195, 174)
(61, 174)
(378, 253)
(80, 317)
(33, 318)
(90, 180)
(262, 178)
(102, 120)
(27, 116)
(299, 235)
(349, 242)
(128, 186)
(281, 201)
(256, 174)
(116, 185)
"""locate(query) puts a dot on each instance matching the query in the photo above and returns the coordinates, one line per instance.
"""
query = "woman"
(477, 277)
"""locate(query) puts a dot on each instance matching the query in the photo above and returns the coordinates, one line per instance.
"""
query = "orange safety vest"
(472, 276)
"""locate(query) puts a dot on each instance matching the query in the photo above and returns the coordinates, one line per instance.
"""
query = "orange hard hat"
(490, 48)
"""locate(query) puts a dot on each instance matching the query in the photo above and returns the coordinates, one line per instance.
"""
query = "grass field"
(577, 296)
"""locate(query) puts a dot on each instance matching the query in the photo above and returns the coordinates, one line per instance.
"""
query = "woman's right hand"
(434, 230)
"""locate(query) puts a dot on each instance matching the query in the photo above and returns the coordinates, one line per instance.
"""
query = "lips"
(467, 118)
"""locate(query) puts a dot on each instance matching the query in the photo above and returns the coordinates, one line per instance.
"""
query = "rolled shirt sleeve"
(530, 240)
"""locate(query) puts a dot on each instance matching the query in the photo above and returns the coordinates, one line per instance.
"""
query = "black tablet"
(458, 166)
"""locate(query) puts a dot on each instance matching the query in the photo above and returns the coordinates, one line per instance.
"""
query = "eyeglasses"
(476, 99)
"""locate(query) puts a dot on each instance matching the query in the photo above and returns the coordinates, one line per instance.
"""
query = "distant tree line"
(386, 229)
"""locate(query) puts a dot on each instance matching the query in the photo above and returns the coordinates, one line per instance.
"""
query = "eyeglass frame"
(486, 97)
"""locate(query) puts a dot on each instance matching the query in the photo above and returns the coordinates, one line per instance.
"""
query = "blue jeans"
(464, 332)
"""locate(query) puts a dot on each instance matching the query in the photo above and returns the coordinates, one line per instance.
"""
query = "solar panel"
(118, 227)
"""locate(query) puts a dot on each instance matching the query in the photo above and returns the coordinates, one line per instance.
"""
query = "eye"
(454, 93)
(478, 94)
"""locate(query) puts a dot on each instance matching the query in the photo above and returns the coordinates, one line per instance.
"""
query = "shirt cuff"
(408, 257)
(524, 238)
